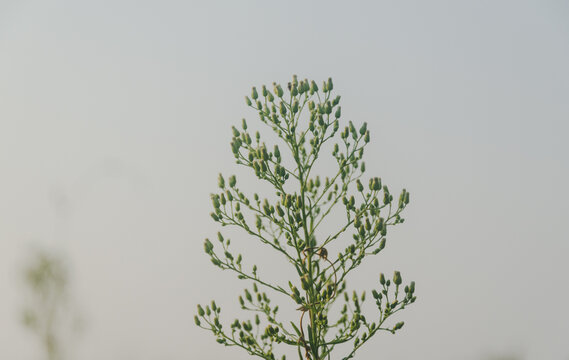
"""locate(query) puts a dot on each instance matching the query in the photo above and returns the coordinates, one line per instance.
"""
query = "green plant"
(46, 278)
(288, 225)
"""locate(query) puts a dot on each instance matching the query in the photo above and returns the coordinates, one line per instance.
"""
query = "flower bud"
(254, 94)
(382, 279)
(278, 90)
(382, 244)
(201, 311)
(208, 246)
(328, 108)
(398, 326)
(359, 185)
(366, 136)
(215, 201)
(338, 112)
(313, 87)
(329, 85)
(363, 129)
(305, 282)
(220, 181)
(248, 101)
(357, 222)
(397, 278)
(244, 124)
(248, 295)
(336, 100)
(232, 181)
(236, 132)
(294, 90)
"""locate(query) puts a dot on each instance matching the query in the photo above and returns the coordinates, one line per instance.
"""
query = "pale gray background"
(115, 120)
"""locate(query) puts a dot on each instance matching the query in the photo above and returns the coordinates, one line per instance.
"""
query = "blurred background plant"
(47, 312)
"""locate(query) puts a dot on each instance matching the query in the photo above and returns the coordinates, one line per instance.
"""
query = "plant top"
(305, 117)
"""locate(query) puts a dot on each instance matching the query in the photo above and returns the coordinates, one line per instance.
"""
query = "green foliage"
(288, 225)
(46, 279)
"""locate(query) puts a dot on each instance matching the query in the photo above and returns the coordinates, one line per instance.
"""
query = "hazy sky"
(115, 119)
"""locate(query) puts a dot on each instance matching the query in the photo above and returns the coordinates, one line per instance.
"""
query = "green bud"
(294, 90)
(359, 185)
(221, 181)
(305, 282)
(244, 124)
(338, 112)
(330, 86)
(295, 106)
(197, 320)
(215, 201)
(254, 94)
(282, 109)
(328, 108)
(208, 246)
(398, 326)
(311, 105)
(232, 181)
(201, 311)
(278, 90)
(397, 278)
(236, 132)
(412, 287)
(313, 87)
(366, 137)
(382, 279)
(248, 295)
(357, 222)
(363, 129)
(248, 101)
(264, 90)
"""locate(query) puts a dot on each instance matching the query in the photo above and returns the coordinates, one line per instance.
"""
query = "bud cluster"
(305, 116)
